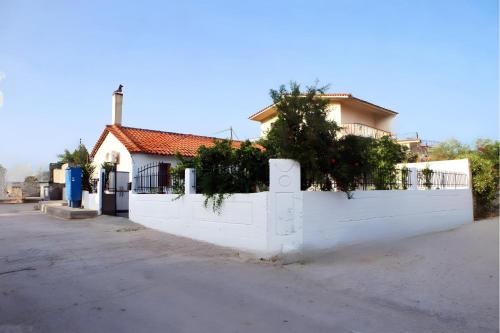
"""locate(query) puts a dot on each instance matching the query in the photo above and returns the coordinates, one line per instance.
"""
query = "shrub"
(352, 162)
(222, 170)
(427, 174)
(484, 182)
(384, 154)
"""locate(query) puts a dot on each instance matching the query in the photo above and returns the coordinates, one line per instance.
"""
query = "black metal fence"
(431, 179)
(94, 185)
(157, 178)
(401, 179)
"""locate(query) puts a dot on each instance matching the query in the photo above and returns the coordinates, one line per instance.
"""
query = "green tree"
(490, 150)
(352, 163)
(303, 132)
(448, 150)
(384, 154)
(366, 160)
(484, 164)
(80, 157)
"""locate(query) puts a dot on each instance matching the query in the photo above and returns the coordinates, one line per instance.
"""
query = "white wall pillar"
(285, 206)
(413, 179)
(189, 181)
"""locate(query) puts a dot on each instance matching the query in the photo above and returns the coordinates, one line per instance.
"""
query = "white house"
(129, 148)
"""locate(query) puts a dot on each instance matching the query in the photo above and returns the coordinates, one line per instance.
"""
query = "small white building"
(130, 148)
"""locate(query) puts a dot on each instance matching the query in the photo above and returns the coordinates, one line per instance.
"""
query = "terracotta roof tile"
(138, 140)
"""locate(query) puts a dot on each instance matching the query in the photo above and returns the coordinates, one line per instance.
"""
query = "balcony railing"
(363, 130)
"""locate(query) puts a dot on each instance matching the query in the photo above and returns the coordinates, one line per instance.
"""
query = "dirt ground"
(109, 274)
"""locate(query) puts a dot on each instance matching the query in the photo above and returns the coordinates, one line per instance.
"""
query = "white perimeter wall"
(461, 166)
(91, 201)
(241, 224)
(287, 220)
(331, 220)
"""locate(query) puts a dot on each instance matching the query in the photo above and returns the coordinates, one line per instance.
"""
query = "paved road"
(108, 274)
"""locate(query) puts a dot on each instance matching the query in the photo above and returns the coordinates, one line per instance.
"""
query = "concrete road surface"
(111, 275)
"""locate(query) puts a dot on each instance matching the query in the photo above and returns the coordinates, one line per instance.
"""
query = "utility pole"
(232, 133)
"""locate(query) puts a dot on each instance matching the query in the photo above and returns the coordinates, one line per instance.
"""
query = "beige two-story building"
(353, 115)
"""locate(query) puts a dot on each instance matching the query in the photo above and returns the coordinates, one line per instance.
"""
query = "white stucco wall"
(90, 201)
(242, 223)
(335, 113)
(461, 165)
(265, 125)
(110, 144)
(286, 220)
(330, 220)
(352, 115)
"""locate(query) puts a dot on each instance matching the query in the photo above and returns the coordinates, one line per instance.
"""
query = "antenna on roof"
(231, 131)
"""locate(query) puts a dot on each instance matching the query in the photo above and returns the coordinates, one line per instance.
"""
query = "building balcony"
(363, 130)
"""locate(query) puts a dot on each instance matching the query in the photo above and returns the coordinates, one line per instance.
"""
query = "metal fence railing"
(400, 179)
(158, 178)
(403, 179)
(94, 185)
(363, 130)
(436, 180)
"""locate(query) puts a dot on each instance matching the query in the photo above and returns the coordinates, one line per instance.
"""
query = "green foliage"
(448, 150)
(359, 158)
(108, 168)
(80, 157)
(405, 174)
(352, 163)
(484, 164)
(177, 172)
(303, 133)
(489, 150)
(384, 154)
(484, 181)
(427, 174)
(223, 169)
(31, 180)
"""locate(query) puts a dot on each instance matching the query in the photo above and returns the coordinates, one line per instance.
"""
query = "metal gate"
(115, 193)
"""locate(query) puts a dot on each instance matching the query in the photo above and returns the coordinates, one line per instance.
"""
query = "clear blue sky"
(202, 66)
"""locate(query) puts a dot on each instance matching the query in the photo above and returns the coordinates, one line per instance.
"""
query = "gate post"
(413, 179)
(285, 225)
(100, 189)
(189, 181)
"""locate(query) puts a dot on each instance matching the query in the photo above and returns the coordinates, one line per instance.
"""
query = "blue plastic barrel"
(74, 186)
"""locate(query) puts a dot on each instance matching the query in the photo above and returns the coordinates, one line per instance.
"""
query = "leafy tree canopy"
(303, 132)
(448, 150)
(80, 157)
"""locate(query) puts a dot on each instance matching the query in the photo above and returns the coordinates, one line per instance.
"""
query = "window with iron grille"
(156, 177)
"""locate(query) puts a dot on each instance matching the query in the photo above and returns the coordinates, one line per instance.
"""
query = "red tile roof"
(138, 140)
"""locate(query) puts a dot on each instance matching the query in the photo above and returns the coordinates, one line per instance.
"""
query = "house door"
(115, 194)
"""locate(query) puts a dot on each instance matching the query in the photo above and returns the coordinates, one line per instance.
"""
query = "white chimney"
(116, 106)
